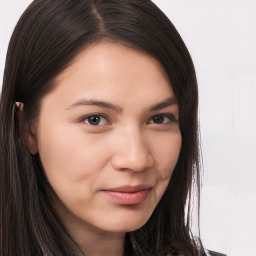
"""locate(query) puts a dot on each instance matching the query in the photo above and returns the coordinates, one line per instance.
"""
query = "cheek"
(72, 162)
(166, 153)
(69, 156)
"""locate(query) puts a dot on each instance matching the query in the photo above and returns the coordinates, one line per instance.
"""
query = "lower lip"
(128, 198)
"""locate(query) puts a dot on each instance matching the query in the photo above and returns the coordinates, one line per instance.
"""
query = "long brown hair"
(46, 39)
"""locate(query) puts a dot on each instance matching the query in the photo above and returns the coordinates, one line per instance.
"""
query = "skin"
(130, 144)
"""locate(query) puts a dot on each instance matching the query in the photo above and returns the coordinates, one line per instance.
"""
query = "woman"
(99, 135)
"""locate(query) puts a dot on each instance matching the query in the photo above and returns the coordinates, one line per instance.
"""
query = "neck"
(101, 244)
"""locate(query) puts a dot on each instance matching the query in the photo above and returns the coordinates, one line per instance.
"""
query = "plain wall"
(221, 37)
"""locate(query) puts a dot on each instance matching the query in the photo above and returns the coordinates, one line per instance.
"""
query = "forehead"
(100, 54)
(114, 72)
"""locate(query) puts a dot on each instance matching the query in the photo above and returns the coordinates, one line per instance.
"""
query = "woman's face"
(108, 137)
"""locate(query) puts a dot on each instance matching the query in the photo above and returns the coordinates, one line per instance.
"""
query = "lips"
(129, 195)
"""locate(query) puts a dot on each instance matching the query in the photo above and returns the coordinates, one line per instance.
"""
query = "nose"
(132, 152)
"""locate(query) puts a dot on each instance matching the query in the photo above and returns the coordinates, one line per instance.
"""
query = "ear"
(32, 140)
(27, 130)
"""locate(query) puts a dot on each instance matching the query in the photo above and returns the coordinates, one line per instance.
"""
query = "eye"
(162, 119)
(96, 120)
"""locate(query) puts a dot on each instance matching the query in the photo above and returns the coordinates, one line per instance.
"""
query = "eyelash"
(95, 116)
(171, 118)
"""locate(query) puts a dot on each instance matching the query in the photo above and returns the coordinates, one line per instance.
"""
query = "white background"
(221, 37)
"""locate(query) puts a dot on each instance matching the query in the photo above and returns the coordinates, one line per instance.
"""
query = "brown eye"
(96, 120)
(162, 119)
(159, 119)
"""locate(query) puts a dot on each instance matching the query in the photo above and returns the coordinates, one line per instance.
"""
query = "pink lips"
(129, 195)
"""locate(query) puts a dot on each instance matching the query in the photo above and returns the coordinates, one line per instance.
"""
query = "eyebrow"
(92, 102)
(99, 103)
(163, 104)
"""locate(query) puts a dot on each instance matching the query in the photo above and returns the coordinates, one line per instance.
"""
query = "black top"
(212, 253)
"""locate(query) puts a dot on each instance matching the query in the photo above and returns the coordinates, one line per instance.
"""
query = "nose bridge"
(138, 147)
(133, 152)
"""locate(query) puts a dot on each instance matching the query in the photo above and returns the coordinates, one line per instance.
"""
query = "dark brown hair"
(46, 39)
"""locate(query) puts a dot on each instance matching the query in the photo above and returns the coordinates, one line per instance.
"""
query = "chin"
(127, 224)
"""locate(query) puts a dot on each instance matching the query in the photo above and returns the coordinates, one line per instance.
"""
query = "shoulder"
(212, 253)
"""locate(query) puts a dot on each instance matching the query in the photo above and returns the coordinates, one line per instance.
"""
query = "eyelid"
(83, 118)
(172, 118)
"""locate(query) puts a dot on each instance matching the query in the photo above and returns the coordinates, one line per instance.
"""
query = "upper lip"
(130, 189)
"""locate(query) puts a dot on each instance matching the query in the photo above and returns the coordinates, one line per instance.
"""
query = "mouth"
(129, 195)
